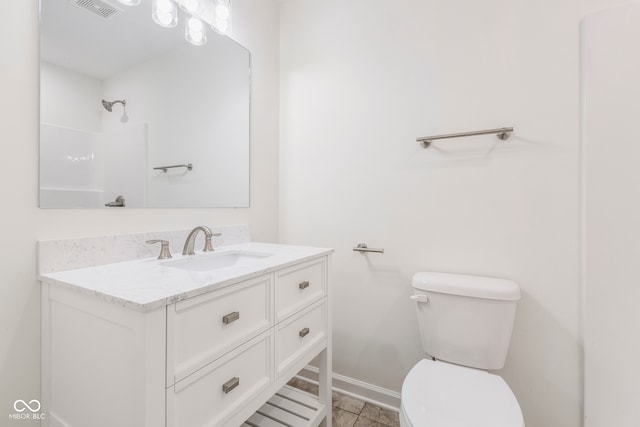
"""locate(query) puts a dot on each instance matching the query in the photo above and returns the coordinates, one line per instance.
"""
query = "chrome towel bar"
(189, 166)
(502, 133)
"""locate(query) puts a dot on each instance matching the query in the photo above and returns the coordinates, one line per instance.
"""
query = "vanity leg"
(325, 358)
(324, 382)
(45, 359)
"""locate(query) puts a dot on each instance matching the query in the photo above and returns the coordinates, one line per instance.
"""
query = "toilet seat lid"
(441, 394)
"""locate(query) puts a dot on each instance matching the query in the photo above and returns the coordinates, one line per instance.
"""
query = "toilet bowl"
(440, 394)
(465, 327)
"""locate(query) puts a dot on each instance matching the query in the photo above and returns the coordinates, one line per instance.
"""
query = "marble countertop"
(147, 284)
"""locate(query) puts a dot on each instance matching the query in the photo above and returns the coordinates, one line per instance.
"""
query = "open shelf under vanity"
(289, 407)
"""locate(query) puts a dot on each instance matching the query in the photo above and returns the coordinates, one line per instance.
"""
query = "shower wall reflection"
(82, 164)
(86, 169)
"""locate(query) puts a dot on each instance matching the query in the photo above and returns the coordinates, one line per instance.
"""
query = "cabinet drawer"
(298, 286)
(297, 335)
(217, 391)
(203, 328)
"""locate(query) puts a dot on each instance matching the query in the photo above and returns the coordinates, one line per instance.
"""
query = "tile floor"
(351, 412)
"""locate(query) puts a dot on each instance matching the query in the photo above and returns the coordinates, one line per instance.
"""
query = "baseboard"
(373, 394)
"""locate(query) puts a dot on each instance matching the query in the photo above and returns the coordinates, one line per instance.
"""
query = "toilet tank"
(466, 320)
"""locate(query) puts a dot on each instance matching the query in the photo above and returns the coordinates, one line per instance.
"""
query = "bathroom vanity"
(204, 340)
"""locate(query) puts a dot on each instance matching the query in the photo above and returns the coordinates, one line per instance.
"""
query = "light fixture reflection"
(192, 7)
(195, 32)
(222, 16)
(216, 13)
(164, 13)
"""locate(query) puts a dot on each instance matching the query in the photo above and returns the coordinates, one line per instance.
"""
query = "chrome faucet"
(191, 240)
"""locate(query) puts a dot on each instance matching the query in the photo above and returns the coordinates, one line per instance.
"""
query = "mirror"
(131, 109)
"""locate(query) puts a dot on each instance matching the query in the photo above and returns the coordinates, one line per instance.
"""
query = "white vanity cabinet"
(219, 358)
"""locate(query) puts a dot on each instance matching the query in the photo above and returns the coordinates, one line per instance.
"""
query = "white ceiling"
(76, 39)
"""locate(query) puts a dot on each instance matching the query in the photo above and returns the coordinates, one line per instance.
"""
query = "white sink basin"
(217, 261)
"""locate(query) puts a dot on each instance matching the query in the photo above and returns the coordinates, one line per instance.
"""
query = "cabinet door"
(298, 286)
(203, 328)
(214, 393)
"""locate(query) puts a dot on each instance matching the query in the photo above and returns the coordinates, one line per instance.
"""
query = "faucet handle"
(208, 247)
(164, 249)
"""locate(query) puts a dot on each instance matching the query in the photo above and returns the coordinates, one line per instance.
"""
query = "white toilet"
(465, 326)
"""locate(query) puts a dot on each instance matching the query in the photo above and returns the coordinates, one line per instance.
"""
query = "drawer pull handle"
(231, 384)
(304, 285)
(231, 317)
(303, 332)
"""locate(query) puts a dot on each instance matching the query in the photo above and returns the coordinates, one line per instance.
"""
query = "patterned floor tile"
(366, 422)
(343, 418)
(352, 412)
(370, 412)
(389, 418)
(347, 403)
(303, 385)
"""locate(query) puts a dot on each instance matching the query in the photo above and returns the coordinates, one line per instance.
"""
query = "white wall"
(68, 98)
(22, 223)
(360, 80)
(612, 208)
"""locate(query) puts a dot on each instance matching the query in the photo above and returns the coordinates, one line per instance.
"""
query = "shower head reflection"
(108, 105)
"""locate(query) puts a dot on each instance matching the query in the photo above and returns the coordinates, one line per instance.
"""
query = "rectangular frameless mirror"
(132, 114)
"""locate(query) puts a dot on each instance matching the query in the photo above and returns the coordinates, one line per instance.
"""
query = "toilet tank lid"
(467, 285)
